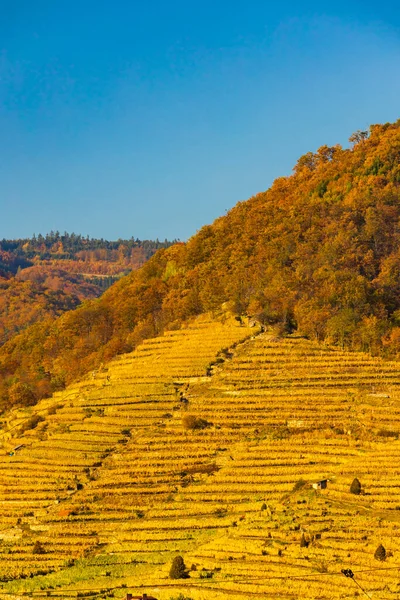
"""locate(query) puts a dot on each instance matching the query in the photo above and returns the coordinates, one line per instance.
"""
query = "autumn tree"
(21, 394)
(358, 136)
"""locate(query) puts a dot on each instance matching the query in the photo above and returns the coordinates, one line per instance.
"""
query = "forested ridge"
(319, 252)
(73, 252)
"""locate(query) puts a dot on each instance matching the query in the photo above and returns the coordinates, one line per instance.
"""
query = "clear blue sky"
(126, 117)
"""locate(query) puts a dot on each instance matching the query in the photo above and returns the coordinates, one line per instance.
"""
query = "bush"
(388, 433)
(206, 574)
(21, 394)
(178, 568)
(380, 553)
(355, 487)
(191, 422)
(303, 542)
(299, 485)
(38, 548)
(31, 423)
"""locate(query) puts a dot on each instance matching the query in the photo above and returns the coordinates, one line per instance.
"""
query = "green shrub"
(380, 553)
(206, 574)
(178, 568)
(355, 487)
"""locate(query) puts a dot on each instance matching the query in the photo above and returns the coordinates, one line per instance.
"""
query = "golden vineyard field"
(111, 482)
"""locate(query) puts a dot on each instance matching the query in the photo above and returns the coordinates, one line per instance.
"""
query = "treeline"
(70, 246)
(319, 252)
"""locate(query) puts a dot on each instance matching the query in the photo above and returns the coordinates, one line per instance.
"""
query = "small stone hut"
(321, 485)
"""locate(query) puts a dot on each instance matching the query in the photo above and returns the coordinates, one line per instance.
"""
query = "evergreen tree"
(355, 487)
(380, 553)
(178, 568)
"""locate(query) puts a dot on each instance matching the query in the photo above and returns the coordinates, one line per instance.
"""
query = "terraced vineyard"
(205, 442)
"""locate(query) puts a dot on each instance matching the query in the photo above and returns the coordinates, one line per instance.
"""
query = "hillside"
(106, 482)
(23, 303)
(43, 277)
(318, 253)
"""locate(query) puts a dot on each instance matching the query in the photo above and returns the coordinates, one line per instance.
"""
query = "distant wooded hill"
(319, 252)
(44, 276)
(72, 252)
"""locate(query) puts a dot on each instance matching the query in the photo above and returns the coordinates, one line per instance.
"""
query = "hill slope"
(115, 481)
(319, 252)
(43, 277)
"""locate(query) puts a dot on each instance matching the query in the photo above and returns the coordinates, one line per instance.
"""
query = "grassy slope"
(282, 410)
